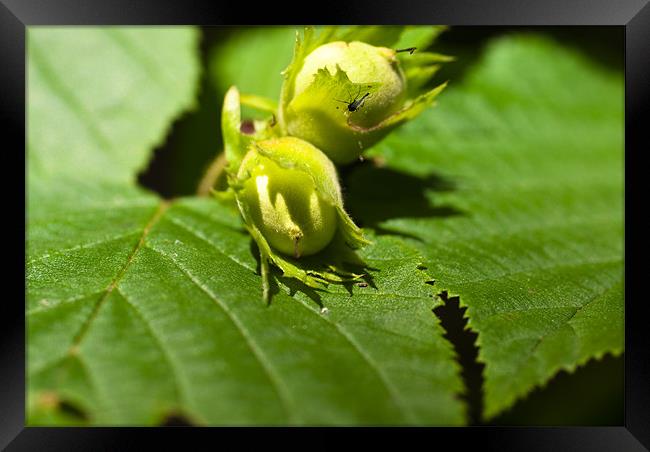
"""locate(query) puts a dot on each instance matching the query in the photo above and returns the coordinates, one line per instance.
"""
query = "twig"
(212, 175)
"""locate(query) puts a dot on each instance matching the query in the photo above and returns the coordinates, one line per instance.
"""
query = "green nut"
(320, 112)
(290, 191)
(363, 64)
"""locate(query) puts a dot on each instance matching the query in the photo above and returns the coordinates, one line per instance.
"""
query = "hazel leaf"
(141, 309)
(513, 190)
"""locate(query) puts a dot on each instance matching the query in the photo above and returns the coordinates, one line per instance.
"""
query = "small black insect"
(355, 103)
(362, 284)
(410, 50)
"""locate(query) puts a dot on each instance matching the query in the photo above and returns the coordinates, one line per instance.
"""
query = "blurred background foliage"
(594, 394)
(195, 139)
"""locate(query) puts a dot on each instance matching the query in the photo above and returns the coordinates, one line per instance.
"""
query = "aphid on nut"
(380, 88)
(373, 70)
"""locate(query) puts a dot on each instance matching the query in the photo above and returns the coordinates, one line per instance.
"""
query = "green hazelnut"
(318, 111)
(363, 64)
(290, 191)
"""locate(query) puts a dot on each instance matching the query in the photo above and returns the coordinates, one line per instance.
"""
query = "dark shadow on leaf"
(274, 288)
(380, 230)
(276, 276)
(592, 395)
(297, 286)
(375, 194)
(452, 318)
(72, 410)
(49, 403)
(366, 279)
(176, 420)
(273, 284)
(342, 258)
(336, 257)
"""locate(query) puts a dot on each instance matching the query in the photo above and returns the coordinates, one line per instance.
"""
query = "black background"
(18, 13)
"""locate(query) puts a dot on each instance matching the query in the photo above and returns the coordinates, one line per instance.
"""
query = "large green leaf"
(171, 320)
(140, 308)
(98, 113)
(512, 189)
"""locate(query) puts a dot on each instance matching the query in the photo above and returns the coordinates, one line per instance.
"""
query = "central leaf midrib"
(163, 206)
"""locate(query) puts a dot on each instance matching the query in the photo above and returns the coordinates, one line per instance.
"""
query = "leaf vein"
(281, 390)
(179, 383)
(42, 307)
(531, 353)
(200, 235)
(392, 391)
(513, 232)
(68, 97)
(82, 246)
(164, 205)
(138, 55)
(507, 275)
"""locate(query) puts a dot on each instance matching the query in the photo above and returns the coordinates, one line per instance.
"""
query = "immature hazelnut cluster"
(338, 99)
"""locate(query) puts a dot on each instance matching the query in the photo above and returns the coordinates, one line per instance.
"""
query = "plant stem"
(212, 175)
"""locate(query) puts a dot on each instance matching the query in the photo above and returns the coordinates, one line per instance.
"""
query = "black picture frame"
(633, 15)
